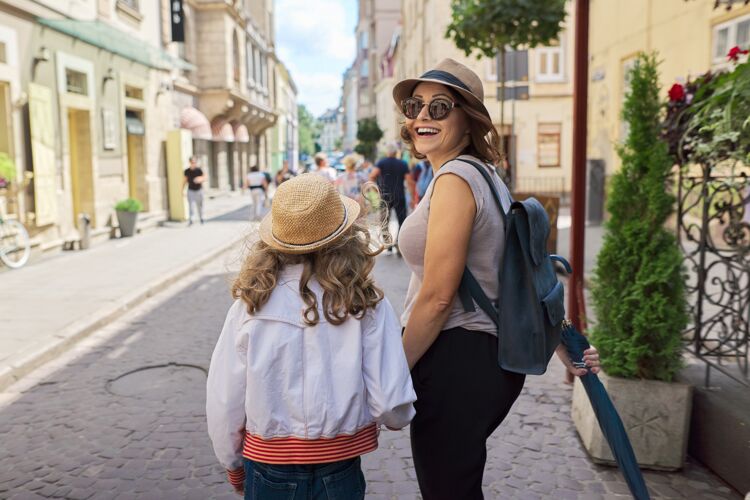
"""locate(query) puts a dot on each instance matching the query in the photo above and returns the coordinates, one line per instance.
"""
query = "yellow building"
(689, 37)
(285, 133)
(540, 143)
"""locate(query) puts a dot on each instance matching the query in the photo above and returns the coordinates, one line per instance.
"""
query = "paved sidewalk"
(51, 304)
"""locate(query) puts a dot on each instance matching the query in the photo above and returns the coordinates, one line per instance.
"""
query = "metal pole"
(578, 202)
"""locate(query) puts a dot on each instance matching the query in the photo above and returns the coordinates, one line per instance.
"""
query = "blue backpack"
(531, 305)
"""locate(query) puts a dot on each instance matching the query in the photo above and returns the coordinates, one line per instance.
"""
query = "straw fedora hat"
(307, 214)
(452, 74)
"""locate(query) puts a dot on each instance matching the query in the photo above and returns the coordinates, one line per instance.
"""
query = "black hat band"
(446, 77)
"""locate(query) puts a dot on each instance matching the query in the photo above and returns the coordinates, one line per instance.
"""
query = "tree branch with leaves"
(491, 27)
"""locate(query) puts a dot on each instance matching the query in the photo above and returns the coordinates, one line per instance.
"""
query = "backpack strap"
(469, 288)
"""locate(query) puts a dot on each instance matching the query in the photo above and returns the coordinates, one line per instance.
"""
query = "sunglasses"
(438, 108)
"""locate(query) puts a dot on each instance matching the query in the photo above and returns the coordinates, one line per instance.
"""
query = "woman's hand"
(590, 359)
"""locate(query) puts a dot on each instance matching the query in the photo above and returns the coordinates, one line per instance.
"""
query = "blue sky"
(315, 40)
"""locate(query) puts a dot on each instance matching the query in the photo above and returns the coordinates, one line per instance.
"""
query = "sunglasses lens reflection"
(439, 109)
(412, 107)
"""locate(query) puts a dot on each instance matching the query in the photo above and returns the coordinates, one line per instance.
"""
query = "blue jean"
(332, 481)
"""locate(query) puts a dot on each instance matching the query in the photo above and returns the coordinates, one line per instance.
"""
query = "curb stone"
(83, 327)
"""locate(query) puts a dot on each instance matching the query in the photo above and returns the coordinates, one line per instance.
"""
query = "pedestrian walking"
(349, 183)
(462, 393)
(309, 363)
(425, 178)
(323, 168)
(257, 183)
(284, 174)
(390, 173)
(194, 179)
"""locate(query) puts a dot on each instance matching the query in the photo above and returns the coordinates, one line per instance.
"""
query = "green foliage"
(129, 205)
(639, 283)
(711, 124)
(488, 25)
(368, 135)
(309, 131)
(7, 167)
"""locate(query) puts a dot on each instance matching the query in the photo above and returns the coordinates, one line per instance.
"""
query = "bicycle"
(15, 244)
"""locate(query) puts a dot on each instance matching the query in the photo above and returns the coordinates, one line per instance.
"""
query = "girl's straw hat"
(307, 214)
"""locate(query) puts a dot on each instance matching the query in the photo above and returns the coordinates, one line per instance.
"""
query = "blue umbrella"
(606, 413)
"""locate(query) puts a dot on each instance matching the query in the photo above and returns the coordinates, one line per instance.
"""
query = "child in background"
(309, 363)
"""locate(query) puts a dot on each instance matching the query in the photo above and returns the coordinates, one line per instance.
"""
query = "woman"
(349, 183)
(256, 182)
(462, 393)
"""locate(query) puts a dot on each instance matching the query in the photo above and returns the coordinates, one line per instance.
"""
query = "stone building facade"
(375, 27)
(538, 128)
(90, 89)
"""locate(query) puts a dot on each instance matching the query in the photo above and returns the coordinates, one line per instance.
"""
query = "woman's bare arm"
(452, 211)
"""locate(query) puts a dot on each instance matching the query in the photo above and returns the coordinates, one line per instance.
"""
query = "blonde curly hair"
(343, 270)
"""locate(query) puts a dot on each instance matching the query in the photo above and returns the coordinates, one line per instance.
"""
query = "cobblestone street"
(122, 416)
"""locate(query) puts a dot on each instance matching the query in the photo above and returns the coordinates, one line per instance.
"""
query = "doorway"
(6, 138)
(81, 164)
(136, 132)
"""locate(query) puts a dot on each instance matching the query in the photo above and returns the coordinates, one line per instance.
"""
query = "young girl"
(309, 363)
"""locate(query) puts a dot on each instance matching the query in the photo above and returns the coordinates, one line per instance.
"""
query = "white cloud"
(315, 40)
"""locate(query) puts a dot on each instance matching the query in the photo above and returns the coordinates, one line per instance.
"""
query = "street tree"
(491, 27)
(309, 131)
(368, 135)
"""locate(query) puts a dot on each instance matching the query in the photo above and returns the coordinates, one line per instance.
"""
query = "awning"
(196, 122)
(222, 130)
(240, 133)
(109, 38)
(134, 125)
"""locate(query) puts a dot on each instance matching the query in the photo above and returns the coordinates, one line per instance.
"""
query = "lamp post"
(578, 203)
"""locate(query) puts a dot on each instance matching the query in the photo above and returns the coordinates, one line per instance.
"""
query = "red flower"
(735, 52)
(676, 93)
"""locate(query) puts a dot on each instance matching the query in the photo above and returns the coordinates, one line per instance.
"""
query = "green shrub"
(7, 167)
(129, 205)
(639, 283)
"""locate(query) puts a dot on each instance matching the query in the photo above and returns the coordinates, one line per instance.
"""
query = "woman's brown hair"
(485, 140)
(342, 269)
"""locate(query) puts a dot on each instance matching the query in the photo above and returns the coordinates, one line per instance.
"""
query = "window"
(364, 69)
(3, 56)
(363, 41)
(548, 144)
(364, 99)
(549, 64)
(133, 93)
(264, 71)
(236, 57)
(730, 34)
(76, 82)
(250, 63)
(132, 4)
(256, 65)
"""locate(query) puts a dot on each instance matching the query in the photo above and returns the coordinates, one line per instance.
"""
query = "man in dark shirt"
(194, 180)
(390, 173)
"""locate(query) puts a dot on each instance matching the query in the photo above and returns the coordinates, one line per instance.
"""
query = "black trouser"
(399, 205)
(462, 396)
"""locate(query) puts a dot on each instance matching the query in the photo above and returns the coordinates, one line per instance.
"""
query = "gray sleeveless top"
(486, 245)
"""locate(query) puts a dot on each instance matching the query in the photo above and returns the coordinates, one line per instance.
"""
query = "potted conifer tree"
(639, 294)
(127, 215)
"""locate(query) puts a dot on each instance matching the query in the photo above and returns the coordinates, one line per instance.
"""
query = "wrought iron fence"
(550, 186)
(713, 230)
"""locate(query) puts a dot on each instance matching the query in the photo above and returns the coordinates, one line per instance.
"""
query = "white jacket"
(273, 376)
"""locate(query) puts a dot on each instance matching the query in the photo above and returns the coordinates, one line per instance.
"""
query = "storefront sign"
(178, 20)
